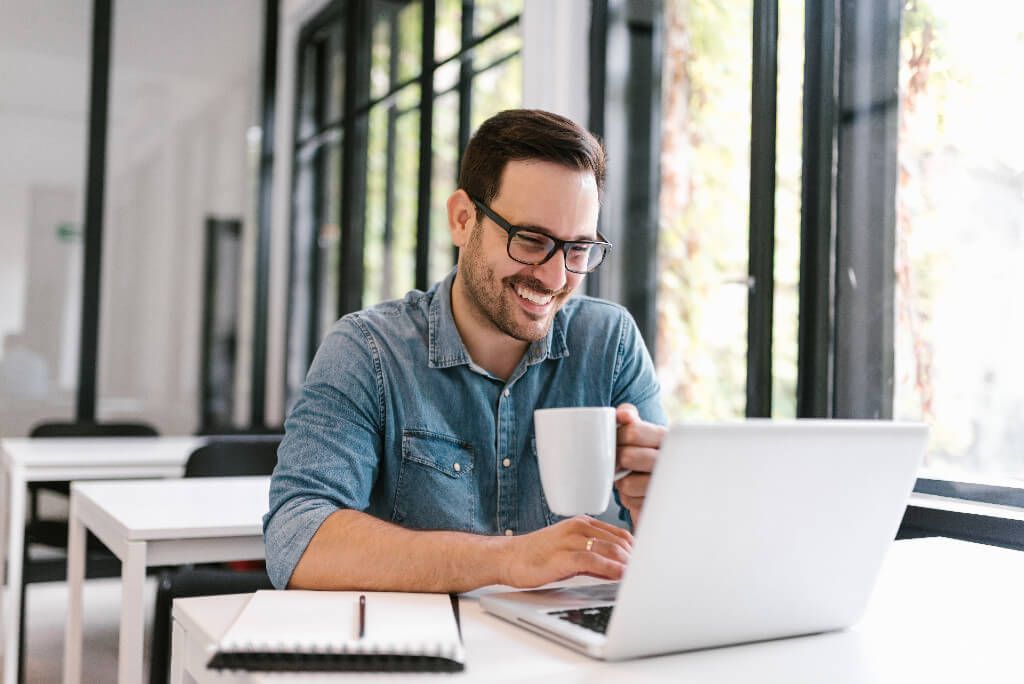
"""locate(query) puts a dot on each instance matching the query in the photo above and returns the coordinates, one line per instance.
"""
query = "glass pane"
(960, 237)
(788, 166)
(498, 83)
(383, 60)
(179, 130)
(334, 90)
(300, 294)
(443, 182)
(705, 167)
(447, 29)
(487, 14)
(410, 41)
(43, 109)
(329, 235)
(389, 250)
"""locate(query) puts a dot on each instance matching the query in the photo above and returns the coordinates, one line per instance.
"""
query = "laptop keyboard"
(595, 619)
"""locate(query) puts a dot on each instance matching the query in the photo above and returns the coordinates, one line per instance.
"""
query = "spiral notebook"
(320, 631)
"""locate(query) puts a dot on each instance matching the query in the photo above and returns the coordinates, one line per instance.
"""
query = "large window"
(388, 93)
(960, 236)
(704, 246)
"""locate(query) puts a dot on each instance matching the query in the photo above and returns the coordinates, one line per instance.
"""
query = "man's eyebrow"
(544, 231)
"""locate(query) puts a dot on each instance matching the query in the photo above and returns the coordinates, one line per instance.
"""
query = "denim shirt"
(395, 420)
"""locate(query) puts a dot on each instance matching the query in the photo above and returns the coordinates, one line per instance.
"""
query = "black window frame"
(848, 222)
(355, 17)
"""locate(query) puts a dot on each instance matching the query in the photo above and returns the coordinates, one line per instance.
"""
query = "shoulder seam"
(378, 367)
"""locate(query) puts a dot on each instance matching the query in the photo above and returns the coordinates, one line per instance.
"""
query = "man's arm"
(354, 550)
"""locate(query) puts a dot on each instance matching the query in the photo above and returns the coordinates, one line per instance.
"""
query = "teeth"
(531, 296)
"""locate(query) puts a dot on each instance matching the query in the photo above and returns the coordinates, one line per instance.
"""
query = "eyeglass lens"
(533, 248)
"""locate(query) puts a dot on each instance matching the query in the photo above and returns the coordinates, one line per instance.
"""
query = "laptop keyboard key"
(595, 619)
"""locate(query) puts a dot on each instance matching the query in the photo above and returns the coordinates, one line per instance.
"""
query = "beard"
(493, 298)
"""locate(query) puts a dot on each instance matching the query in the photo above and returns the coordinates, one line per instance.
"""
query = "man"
(408, 462)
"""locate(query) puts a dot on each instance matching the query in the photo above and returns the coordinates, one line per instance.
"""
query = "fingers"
(597, 565)
(640, 433)
(634, 485)
(636, 458)
(633, 503)
(626, 414)
(591, 527)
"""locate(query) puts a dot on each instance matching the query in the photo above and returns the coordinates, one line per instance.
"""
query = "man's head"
(533, 169)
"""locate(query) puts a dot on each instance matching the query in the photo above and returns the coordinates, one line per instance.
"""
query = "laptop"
(751, 531)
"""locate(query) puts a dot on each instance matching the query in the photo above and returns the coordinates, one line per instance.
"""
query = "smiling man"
(408, 461)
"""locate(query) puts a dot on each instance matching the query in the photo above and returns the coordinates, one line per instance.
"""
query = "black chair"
(52, 533)
(221, 457)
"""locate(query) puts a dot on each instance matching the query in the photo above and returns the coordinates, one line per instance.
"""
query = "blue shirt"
(395, 420)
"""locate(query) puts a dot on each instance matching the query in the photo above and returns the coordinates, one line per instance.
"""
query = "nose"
(552, 272)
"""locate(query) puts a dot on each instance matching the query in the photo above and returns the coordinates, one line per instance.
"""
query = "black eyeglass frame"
(563, 245)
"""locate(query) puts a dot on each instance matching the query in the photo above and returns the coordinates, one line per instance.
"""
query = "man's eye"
(532, 240)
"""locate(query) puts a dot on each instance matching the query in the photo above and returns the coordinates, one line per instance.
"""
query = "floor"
(101, 606)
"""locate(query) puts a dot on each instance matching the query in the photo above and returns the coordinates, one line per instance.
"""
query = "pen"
(362, 615)
(619, 474)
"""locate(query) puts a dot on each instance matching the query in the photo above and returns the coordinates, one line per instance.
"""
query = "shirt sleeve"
(635, 382)
(329, 457)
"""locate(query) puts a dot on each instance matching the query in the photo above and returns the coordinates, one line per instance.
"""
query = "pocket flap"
(451, 456)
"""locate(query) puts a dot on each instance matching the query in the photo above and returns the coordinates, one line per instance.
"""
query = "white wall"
(184, 96)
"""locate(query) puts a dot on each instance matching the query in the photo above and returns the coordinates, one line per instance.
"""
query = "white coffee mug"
(576, 455)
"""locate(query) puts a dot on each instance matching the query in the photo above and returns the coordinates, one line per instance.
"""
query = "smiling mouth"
(533, 296)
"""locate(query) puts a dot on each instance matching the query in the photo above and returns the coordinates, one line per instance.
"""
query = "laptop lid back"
(762, 529)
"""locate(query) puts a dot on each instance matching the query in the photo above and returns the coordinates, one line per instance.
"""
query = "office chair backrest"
(236, 456)
(93, 430)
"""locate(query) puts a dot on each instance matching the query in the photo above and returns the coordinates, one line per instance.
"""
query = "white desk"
(154, 522)
(942, 611)
(27, 460)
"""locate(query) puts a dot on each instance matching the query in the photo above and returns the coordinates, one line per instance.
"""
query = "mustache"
(534, 285)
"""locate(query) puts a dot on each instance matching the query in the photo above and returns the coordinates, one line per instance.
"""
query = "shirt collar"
(446, 346)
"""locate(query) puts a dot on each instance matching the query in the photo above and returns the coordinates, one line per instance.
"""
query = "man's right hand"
(560, 551)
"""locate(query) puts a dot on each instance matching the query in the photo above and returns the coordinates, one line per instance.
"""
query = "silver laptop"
(751, 530)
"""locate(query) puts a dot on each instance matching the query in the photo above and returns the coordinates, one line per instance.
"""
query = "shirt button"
(509, 533)
(506, 392)
(457, 467)
(507, 462)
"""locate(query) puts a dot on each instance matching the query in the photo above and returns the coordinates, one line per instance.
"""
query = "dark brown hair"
(526, 134)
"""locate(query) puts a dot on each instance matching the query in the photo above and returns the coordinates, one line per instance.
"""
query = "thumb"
(626, 414)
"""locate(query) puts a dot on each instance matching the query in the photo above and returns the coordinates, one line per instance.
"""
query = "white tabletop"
(98, 451)
(942, 611)
(171, 509)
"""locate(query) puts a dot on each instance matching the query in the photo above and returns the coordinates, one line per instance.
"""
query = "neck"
(488, 346)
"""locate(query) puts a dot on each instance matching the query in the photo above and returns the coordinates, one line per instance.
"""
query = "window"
(704, 245)
(380, 126)
(960, 236)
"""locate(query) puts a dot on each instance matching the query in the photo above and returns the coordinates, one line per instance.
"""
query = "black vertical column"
(866, 207)
(817, 228)
(257, 397)
(644, 21)
(762, 208)
(95, 184)
(426, 147)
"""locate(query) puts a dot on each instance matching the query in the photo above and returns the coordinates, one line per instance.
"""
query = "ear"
(461, 217)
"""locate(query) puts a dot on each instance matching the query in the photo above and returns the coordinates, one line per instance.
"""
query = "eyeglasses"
(533, 248)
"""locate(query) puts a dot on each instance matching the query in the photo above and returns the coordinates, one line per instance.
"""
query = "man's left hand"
(637, 445)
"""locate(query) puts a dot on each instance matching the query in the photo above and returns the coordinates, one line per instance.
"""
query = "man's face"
(520, 300)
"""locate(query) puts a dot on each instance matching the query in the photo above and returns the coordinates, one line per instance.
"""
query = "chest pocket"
(436, 487)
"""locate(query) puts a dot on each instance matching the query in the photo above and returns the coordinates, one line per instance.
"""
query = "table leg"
(15, 542)
(76, 578)
(178, 646)
(5, 497)
(133, 613)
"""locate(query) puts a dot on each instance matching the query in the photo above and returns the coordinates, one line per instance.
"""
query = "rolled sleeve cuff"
(287, 534)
